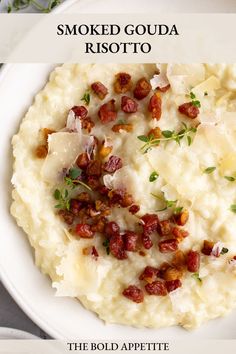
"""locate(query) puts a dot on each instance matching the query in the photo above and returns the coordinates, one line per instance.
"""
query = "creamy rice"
(99, 284)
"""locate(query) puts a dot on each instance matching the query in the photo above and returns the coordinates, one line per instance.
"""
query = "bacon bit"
(83, 161)
(105, 150)
(117, 247)
(134, 209)
(100, 205)
(120, 197)
(92, 212)
(75, 206)
(164, 227)
(84, 197)
(169, 245)
(154, 106)
(87, 124)
(156, 288)
(126, 127)
(162, 269)
(164, 89)
(142, 89)
(99, 89)
(149, 274)
(155, 132)
(87, 251)
(178, 260)
(172, 274)
(134, 293)
(46, 132)
(179, 233)
(41, 151)
(207, 247)
(95, 252)
(193, 261)
(94, 168)
(83, 216)
(107, 112)
(84, 231)
(80, 111)
(130, 241)
(141, 253)
(146, 241)
(149, 223)
(181, 218)
(128, 105)
(103, 190)
(93, 182)
(113, 164)
(66, 216)
(122, 83)
(112, 228)
(127, 200)
(189, 110)
(99, 226)
(173, 285)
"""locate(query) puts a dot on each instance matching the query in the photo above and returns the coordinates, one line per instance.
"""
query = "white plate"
(62, 318)
(12, 333)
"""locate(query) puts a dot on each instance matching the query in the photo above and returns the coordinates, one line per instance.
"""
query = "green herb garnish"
(194, 101)
(86, 98)
(17, 5)
(106, 244)
(168, 135)
(178, 210)
(230, 178)
(209, 170)
(121, 122)
(168, 203)
(72, 180)
(153, 176)
(233, 208)
(196, 276)
(62, 196)
(75, 172)
(224, 250)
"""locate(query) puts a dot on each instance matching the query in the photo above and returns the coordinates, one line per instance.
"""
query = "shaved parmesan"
(159, 80)
(217, 248)
(63, 149)
(182, 77)
(73, 124)
(208, 86)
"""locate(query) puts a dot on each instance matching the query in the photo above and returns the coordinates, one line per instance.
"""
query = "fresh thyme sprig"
(62, 195)
(195, 102)
(168, 135)
(168, 204)
(72, 180)
(17, 5)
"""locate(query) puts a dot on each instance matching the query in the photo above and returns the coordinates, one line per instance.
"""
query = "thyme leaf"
(233, 208)
(209, 170)
(153, 176)
(195, 102)
(196, 276)
(106, 244)
(224, 250)
(230, 178)
(86, 98)
(168, 135)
